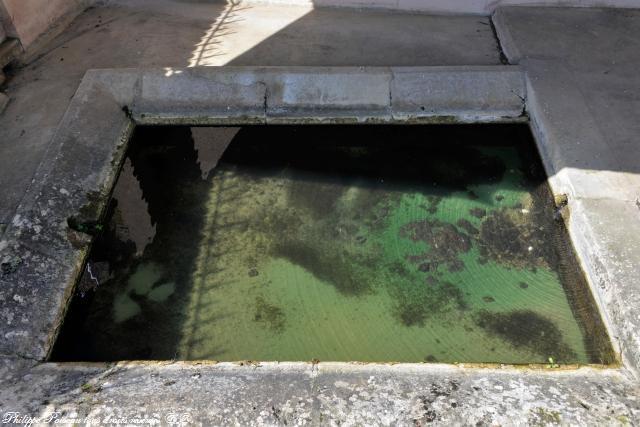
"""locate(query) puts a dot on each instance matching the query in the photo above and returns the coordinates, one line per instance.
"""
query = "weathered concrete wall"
(28, 19)
(481, 7)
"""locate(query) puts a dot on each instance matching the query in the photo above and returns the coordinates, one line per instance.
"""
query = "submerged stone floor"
(571, 55)
(336, 243)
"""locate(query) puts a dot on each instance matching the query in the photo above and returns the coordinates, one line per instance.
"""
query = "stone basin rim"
(259, 95)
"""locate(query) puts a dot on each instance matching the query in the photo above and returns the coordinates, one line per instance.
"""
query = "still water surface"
(338, 243)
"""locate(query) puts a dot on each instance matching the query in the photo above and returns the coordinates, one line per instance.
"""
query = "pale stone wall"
(28, 19)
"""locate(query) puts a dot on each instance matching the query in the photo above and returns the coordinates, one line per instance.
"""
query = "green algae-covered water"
(361, 243)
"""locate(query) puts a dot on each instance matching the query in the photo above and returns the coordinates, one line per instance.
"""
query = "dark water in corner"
(368, 243)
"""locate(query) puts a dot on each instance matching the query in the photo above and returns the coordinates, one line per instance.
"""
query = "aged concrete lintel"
(42, 255)
(329, 95)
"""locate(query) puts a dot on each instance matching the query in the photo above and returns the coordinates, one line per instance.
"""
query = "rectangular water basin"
(334, 243)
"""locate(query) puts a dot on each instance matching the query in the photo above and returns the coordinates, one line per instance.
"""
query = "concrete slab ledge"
(200, 96)
(321, 394)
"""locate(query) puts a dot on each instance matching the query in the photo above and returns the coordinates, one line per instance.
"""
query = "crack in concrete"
(391, 79)
(265, 100)
(22, 356)
(523, 99)
(503, 57)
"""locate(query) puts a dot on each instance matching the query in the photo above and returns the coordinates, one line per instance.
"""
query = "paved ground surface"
(177, 34)
(597, 51)
(324, 394)
(585, 89)
(591, 141)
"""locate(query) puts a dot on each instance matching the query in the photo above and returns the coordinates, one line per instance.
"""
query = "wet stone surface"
(337, 243)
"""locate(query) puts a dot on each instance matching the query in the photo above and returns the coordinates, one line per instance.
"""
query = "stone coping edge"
(44, 256)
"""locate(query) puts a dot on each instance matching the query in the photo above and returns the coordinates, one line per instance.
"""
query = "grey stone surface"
(583, 90)
(322, 394)
(34, 291)
(578, 157)
(310, 94)
(236, 95)
(328, 95)
(272, 35)
(583, 102)
(605, 234)
(41, 254)
(122, 84)
(227, 94)
(470, 93)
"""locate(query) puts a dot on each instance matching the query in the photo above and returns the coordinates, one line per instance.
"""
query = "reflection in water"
(335, 243)
(133, 223)
(210, 143)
